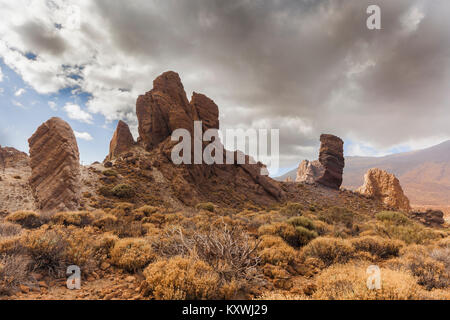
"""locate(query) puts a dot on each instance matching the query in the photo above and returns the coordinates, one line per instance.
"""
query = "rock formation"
(121, 142)
(12, 158)
(288, 179)
(55, 178)
(431, 218)
(166, 108)
(329, 168)
(385, 187)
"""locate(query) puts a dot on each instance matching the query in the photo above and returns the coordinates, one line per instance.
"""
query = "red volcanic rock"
(331, 157)
(206, 110)
(12, 158)
(121, 142)
(162, 110)
(55, 165)
(329, 168)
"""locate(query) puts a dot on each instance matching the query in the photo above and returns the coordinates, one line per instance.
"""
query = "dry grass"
(132, 254)
(27, 219)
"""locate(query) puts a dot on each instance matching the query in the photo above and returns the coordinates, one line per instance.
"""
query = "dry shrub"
(144, 211)
(329, 250)
(122, 209)
(302, 222)
(8, 229)
(276, 251)
(208, 206)
(27, 219)
(337, 216)
(273, 295)
(377, 246)
(349, 282)
(105, 222)
(430, 267)
(409, 233)
(123, 191)
(227, 249)
(295, 236)
(13, 272)
(132, 254)
(181, 278)
(292, 209)
(81, 249)
(46, 248)
(76, 218)
(392, 216)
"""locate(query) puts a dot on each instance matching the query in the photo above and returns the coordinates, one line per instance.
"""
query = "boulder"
(385, 187)
(329, 168)
(55, 165)
(431, 218)
(121, 142)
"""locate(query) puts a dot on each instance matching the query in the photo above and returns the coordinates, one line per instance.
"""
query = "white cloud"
(18, 104)
(19, 92)
(75, 112)
(83, 135)
(1, 75)
(1, 90)
(52, 105)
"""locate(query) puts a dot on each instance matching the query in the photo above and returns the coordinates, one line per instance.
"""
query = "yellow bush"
(76, 218)
(208, 206)
(349, 282)
(328, 250)
(106, 221)
(181, 279)
(132, 254)
(295, 236)
(27, 219)
(377, 246)
(274, 250)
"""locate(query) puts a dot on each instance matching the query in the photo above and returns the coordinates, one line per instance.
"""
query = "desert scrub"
(292, 209)
(76, 218)
(123, 191)
(110, 173)
(122, 209)
(337, 216)
(27, 219)
(349, 282)
(46, 248)
(410, 233)
(208, 206)
(132, 254)
(392, 216)
(181, 278)
(377, 246)
(276, 251)
(13, 272)
(105, 222)
(144, 211)
(302, 222)
(8, 229)
(295, 236)
(328, 250)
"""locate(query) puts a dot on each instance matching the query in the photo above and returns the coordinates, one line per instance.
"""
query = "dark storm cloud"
(40, 38)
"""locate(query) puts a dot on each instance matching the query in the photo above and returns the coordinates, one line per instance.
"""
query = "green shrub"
(295, 236)
(302, 222)
(123, 191)
(392, 216)
(304, 236)
(337, 215)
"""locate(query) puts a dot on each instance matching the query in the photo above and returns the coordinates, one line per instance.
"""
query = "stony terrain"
(141, 227)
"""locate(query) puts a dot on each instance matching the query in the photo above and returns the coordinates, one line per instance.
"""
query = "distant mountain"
(423, 174)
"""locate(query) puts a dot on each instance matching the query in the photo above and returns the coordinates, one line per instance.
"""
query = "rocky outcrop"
(329, 168)
(12, 158)
(55, 178)
(121, 142)
(309, 171)
(166, 108)
(385, 187)
(431, 218)
(288, 179)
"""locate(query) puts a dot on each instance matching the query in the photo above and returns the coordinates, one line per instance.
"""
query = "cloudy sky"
(305, 67)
